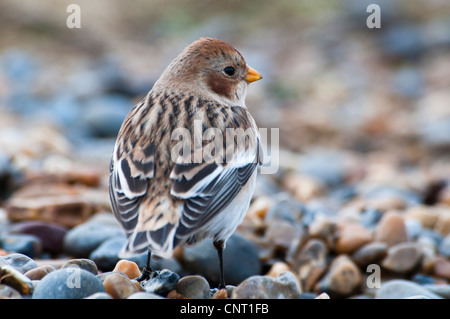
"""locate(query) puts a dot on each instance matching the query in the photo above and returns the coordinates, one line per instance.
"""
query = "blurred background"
(329, 81)
(361, 112)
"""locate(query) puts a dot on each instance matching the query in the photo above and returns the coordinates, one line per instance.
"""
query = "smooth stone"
(426, 215)
(285, 209)
(194, 287)
(82, 263)
(39, 272)
(144, 295)
(20, 262)
(99, 295)
(310, 262)
(370, 253)
(342, 279)
(284, 286)
(442, 225)
(369, 218)
(14, 278)
(441, 290)
(351, 236)
(402, 258)
(240, 260)
(68, 283)
(441, 267)
(129, 268)
(444, 247)
(400, 289)
(50, 235)
(85, 238)
(391, 229)
(281, 234)
(325, 228)
(22, 243)
(119, 286)
(8, 292)
(106, 256)
(161, 283)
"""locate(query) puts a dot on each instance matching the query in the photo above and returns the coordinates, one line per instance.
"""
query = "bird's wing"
(132, 165)
(207, 188)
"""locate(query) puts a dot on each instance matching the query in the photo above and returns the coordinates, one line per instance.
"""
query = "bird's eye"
(229, 70)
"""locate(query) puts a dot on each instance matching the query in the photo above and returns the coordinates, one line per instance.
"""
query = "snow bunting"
(170, 189)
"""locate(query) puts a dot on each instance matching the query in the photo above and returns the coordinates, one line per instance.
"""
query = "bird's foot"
(146, 275)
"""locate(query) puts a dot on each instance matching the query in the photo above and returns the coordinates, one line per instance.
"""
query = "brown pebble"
(220, 294)
(129, 268)
(402, 258)
(351, 236)
(173, 294)
(391, 229)
(39, 272)
(119, 286)
(343, 278)
(441, 268)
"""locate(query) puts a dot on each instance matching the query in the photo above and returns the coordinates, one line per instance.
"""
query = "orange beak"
(252, 75)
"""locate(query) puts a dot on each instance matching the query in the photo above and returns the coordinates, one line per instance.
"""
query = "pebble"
(161, 282)
(284, 286)
(342, 279)
(50, 235)
(310, 262)
(441, 267)
(281, 234)
(193, 287)
(240, 260)
(443, 223)
(144, 295)
(14, 278)
(370, 253)
(402, 258)
(444, 247)
(129, 268)
(67, 207)
(391, 229)
(68, 283)
(351, 236)
(82, 240)
(441, 290)
(39, 272)
(82, 263)
(20, 262)
(324, 228)
(400, 289)
(120, 286)
(8, 292)
(99, 295)
(21, 243)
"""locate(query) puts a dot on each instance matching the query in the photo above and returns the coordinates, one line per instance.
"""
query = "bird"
(168, 189)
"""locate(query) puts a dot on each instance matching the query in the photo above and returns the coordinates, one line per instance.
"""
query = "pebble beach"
(359, 207)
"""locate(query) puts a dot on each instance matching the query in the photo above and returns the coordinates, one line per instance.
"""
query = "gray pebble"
(240, 259)
(81, 240)
(85, 264)
(144, 295)
(400, 289)
(284, 286)
(20, 262)
(22, 243)
(194, 287)
(162, 283)
(68, 283)
(9, 292)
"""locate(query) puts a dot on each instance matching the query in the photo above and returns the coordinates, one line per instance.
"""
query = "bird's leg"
(219, 245)
(147, 271)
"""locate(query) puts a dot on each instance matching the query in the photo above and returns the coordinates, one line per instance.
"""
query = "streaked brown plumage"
(162, 202)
